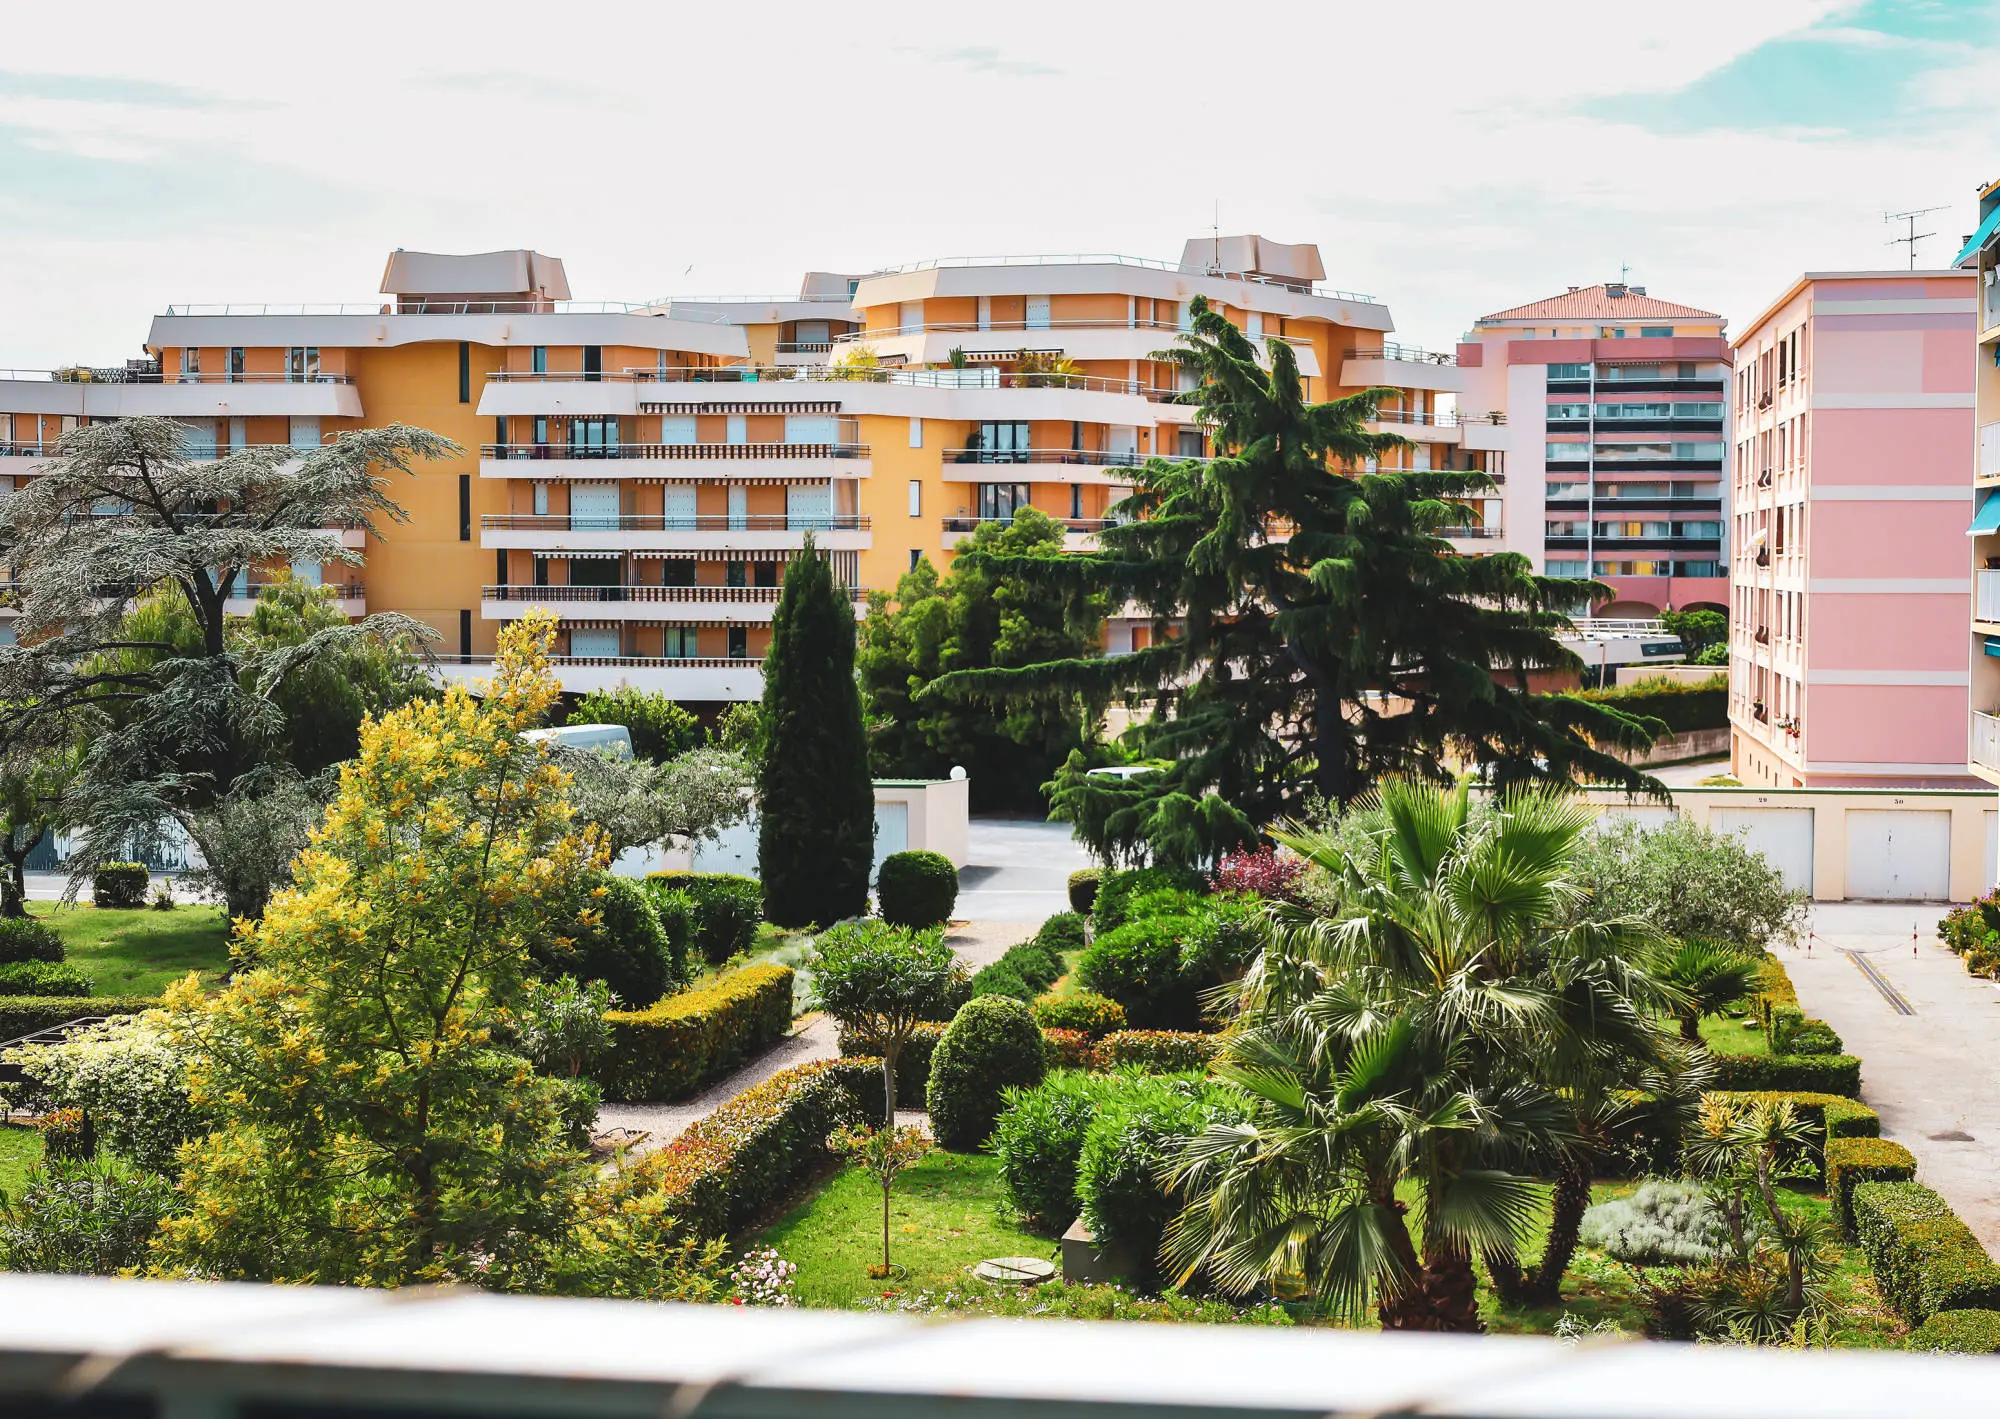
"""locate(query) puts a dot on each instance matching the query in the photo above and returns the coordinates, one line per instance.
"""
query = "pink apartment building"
(1853, 403)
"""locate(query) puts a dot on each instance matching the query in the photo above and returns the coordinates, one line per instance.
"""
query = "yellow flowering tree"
(376, 1132)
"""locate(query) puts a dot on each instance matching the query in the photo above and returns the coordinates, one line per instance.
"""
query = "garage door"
(1898, 857)
(1783, 835)
(892, 831)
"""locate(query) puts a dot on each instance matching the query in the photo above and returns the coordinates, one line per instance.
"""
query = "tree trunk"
(1691, 1028)
(889, 1053)
(1510, 1282)
(1443, 1293)
(1572, 1197)
(885, 1228)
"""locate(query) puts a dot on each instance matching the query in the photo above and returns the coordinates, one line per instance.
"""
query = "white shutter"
(677, 428)
(739, 507)
(1253, 325)
(307, 572)
(593, 506)
(739, 429)
(1038, 312)
(910, 315)
(681, 504)
(598, 641)
(198, 440)
(810, 505)
(305, 431)
(239, 433)
(812, 428)
(1122, 438)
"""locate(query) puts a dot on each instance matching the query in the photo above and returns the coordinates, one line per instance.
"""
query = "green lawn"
(20, 1150)
(140, 952)
(1725, 1034)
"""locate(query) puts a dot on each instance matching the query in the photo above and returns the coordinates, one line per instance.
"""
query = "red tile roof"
(1597, 303)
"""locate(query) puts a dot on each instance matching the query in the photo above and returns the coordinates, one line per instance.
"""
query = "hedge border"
(1925, 1259)
(1789, 1074)
(1851, 1162)
(673, 1048)
(29, 1014)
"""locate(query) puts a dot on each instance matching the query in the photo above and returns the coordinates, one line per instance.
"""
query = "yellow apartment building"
(646, 471)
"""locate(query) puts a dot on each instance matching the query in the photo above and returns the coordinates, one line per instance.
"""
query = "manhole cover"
(1016, 1270)
(1955, 1136)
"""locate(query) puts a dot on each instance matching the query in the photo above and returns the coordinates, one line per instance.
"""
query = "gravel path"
(978, 943)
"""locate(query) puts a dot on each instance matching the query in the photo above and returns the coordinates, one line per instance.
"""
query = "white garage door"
(892, 832)
(1783, 835)
(1898, 857)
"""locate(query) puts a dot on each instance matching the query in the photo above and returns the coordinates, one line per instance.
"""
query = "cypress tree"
(816, 802)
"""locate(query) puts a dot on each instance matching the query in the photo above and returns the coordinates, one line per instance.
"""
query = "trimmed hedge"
(1083, 889)
(1958, 1333)
(1024, 972)
(1115, 891)
(1774, 990)
(1062, 933)
(731, 1166)
(1068, 1049)
(669, 1050)
(1826, 1115)
(727, 909)
(916, 888)
(913, 1064)
(1093, 1015)
(1925, 1259)
(991, 1044)
(1789, 1073)
(1851, 1162)
(1791, 1031)
(27, 1014)
(1156, 1051)
(119, 885)
(1703, 705)
(43, 978)
(25, 939)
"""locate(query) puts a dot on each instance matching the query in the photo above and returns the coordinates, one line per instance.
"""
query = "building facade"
(1852, 401)
(1980, 261)
(647, 471)
(1609, 406)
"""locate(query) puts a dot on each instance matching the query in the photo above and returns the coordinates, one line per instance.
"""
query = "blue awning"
(1987, 519)
(1992, 646)
(1982, 236)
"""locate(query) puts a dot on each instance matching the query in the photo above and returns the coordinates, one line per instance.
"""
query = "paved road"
(1934, 1076)
(1017, 869)
(1688, 775)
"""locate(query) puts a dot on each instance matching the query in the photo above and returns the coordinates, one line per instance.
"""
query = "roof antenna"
(1215, 233)
(1914, 235)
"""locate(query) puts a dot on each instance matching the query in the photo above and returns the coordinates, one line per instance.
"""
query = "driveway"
(1934, 1075)
(1017, 869)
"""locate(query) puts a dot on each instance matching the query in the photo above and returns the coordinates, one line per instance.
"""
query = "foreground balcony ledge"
(659, 605)
(804, 460)
(705, 678)
(704, 533)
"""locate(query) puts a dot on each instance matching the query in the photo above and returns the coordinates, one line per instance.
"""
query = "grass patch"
(140, 951)
(1725, 1034)
(20, 1150)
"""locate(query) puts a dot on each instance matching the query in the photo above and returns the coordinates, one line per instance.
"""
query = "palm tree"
(1709, 978)
(1442, 1033)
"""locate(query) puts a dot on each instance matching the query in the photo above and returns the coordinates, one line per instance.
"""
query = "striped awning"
(747, 406)
(716, 554)
(591, 555)
(768, 481)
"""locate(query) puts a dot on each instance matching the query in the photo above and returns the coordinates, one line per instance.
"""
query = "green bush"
(1115, 891)
(1139, 1126)
(1156, 1051)
(1925, 1259)
(676, 914)
(1702, 705)
(624, 947)
(913, 1063)
(43, 978)
(1958, 1333)
(1791, 1031)
(1068, 1049)
(1851, 1162)
(1825, 1116)
(1062, 933)
(1774, 994)
(83, 1218)
(661, 730)
(1093, 1015)
(1789, 1073)
(1039, 1141)
(671, 1049)
(1000, 978)
(119, 884)
(1083, 889)
(25, 939)
(990, 1045)
(1024, 972)
(916, 888)
(30, 1014)
(727, 909)
(1849, 1118)
(1139, 966)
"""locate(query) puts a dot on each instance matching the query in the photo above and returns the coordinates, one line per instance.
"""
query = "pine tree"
(1329, 636)
(817, 805)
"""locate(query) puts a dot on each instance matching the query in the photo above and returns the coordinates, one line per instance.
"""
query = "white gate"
(892, 833)
(1898, 857)
(1783, 835)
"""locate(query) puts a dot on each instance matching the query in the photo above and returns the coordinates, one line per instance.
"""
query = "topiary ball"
(25, 939)
(991, 1045)
(624, 946)
(1083, 889)
(916, 888)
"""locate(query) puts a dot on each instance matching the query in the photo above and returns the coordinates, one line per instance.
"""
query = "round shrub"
(625, 947)
(1083, 889)
(1062, 933)
(45, 978)
(1039, 1139)
(1156, 1051)
(1662, 1224)
(1814, 1037)
(727, 909)
(119, 884)
(991, 1044)
(1136, 1135)
(25, 939)
(1139, 966)
(916, 888)
(1088, 1014)
(1958, 1333)
(1000, 978)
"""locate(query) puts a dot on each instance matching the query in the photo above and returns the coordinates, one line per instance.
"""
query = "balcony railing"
(341, 590)
(1986, 595)
(1986, 740)
(1408, 354)
(981, 377)
(1024, 327)
(694, 522)
(670, 595)
(559, 663)
(1085, 457)
(1443, 419)
(79, 374)
(1470, 531)
(672, 451)
(422, 307)
(1072, 524)
(804, 347)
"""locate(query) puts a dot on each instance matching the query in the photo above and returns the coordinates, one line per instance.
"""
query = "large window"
(593, 438)
(1002, 500)
(302, 364)
(1568, 411)
(1655, 332)
(1663, 409)
(1000, 443)
(1562, 372)
(680, 641)
(1617, 372)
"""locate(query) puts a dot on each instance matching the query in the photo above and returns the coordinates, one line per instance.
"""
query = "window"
(593, 362)
(1608, 372)
(1656, 332)
(735, 574)
(464, 372)
(916, 497)
(916, 555)
(593, 438)
(814, 334)
(916, 433)
(1566, 452)
(465, 507)
(302, 364)
(1000, 501)
(739, 642)
(680, 642)
(1578, 569)
(235, 363)
(1702, 530)
(539, 359)
(1611, 332)
(594, 571)
(764, 574)
(1569, 372)
(1563, 528)
(1559, 491)
(1189, 443)
(1076, 500)
(190, 361)
(1000, 443)
(677, 571)
(1568, 411)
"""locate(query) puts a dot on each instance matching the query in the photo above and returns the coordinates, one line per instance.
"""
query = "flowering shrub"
(1156, 1051)
(1263, 871)
(1068, 1049)
(129, 1077)
(669, 1050)
(1973, 931)
(1088, 1014)
(763, 1278)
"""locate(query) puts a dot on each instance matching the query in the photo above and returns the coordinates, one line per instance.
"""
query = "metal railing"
(681, 595)
(1441, 419)
(1070, 524)
(79, 374)
(693, 522)
(25, 448)
(631, 662)
(1024, 327)
(1986, 740)
(805, 347)
(1098, 258)
(560, 452)
(525, 306)
(1470, 530)
(1076, 457)
(982, 377)
(342, 590)
(1408, 354)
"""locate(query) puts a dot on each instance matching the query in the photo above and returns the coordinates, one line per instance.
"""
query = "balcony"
(1989, 450)
(350, 596)
(697, 678)
(1986, 596)
(1986, 741)
(801, 461)
(1473, 531)
(750, 532)
(682, 605)
(998, 342)
(1402, 367)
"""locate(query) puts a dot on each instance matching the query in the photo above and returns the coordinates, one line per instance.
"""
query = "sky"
(1450, 158)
